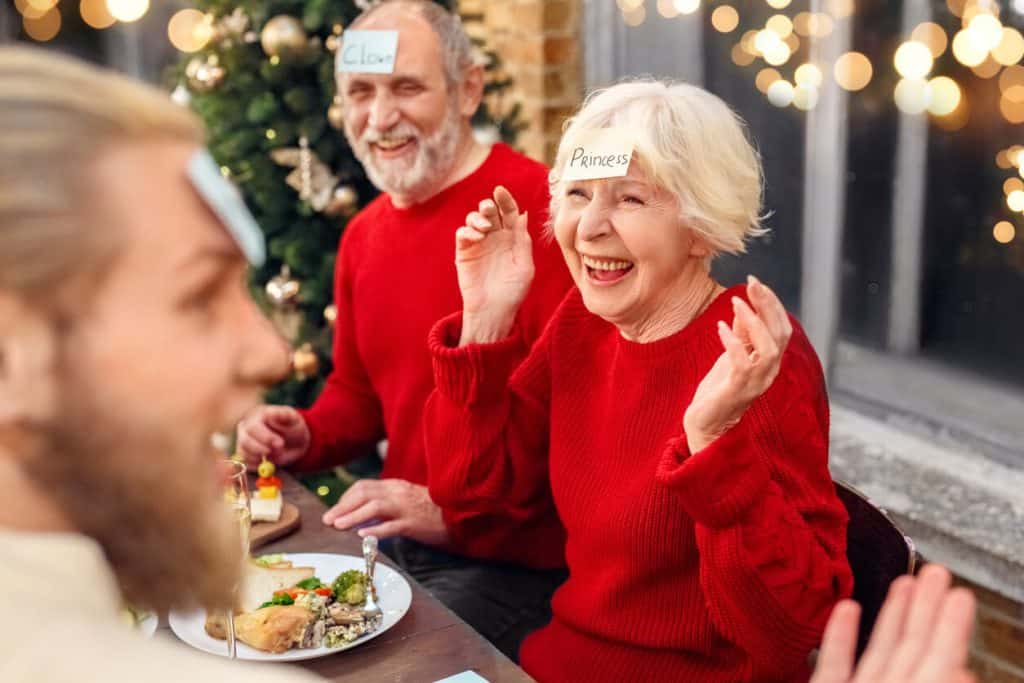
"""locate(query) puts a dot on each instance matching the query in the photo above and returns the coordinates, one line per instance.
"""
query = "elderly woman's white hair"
(687, 141)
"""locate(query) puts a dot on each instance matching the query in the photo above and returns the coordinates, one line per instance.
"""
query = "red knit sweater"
(717, 566)
(394, 277)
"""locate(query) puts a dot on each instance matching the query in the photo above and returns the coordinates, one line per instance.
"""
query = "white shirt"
(60, 622)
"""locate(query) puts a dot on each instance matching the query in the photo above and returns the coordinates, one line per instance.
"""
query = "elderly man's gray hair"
(458, 51)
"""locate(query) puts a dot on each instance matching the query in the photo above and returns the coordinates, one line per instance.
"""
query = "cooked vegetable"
(310, 583)
(350, 587)
(280, 598)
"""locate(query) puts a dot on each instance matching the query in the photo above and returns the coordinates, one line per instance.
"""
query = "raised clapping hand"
(494, 261)
(277, 433)
(748, 366)
(921, 636)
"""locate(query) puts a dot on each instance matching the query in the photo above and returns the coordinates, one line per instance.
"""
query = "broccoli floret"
(350, 586)
(356, 594)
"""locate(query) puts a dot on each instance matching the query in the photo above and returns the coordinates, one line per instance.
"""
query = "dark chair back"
(878, 553)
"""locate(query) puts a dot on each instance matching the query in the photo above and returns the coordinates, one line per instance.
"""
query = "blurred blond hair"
(687, 141)
(58, 116)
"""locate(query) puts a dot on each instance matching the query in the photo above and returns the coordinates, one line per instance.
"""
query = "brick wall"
(538, 41)
(997, 653)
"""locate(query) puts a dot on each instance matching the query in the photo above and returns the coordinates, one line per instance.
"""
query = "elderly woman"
(680, 428)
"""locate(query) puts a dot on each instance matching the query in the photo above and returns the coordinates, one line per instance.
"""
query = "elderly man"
(395, 275)
(111, 257)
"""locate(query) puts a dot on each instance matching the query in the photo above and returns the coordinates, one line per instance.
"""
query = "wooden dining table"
(428, 644)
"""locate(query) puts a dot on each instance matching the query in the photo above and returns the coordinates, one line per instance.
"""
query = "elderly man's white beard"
(418, 178)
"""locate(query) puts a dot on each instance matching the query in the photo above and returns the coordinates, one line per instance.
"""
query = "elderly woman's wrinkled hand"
(921, 636)
(494, 260)
(753, 353)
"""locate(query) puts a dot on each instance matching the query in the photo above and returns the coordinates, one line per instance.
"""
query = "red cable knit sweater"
(395, 276)
(717, 566)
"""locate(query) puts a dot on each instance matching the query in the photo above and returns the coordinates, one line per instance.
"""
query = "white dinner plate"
(394, 595)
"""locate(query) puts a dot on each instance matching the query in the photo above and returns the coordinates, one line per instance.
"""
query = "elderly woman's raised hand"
(494, 260)
(748, 366)
(921, 636)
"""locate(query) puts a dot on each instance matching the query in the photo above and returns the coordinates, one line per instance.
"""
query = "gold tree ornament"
(305, 363)
(336, 114)
(207, 75)
(331, 315)
(344, 201)
(284, 37)
(312, 178)
(283, 290)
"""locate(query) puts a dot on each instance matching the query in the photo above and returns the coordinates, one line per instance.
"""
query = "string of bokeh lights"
(983, 44)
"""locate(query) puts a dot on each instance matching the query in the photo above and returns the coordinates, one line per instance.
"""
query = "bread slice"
(259, 583)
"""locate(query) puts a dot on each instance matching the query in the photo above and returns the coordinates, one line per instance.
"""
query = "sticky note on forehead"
(599, 153)
(226, 202)
(371, 52)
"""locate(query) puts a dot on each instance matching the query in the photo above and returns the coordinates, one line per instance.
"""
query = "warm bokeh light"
(747, 42)
(1003, 162)
(1012, 111)
(778, 55)
(634, 17)
(1015, 93)
(956, 6)
(1010, 49)
(802, 23)
(932, 35)
(1011, 76)
(792, 42)
(987, 69)
(629, 5)
(128, 10)
(28, 11)
(1015, 200)
(1004, 232)
(687, 6)
(913, 95)
(42, 28)
(966, 50)
(95, 13)
(805, 98)
(853, 71)
(766, 40)
(808, 75)
(945, 96)
(741, 57)
(189, 30)
(778, 4)
(986, 30)
(821, 25)
(913, 60)
(667, 9)
(1013, 185)
(781, 93)
(1014, 155)
(779, 24)
(841, 9)
(42, 6)
(725, 19)
(765, 78)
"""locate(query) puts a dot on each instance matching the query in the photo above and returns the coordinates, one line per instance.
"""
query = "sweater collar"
(699, 328)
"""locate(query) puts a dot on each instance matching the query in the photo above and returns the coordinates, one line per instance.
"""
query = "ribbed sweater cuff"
(718, 484)
(476, 372)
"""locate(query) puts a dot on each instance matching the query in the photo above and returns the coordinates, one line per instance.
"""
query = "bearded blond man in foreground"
(126, 338)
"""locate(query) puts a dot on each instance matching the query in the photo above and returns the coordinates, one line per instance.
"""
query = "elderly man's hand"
(494, 261)
(753, 354)
(394, 506)
(921, 635)
(277, 433)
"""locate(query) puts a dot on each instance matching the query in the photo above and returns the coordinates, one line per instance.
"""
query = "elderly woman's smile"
(629, 252)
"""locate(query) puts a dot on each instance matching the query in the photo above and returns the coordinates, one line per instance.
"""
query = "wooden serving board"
(265, 532)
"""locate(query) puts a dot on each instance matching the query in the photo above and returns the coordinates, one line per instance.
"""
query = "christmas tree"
(264, 85)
